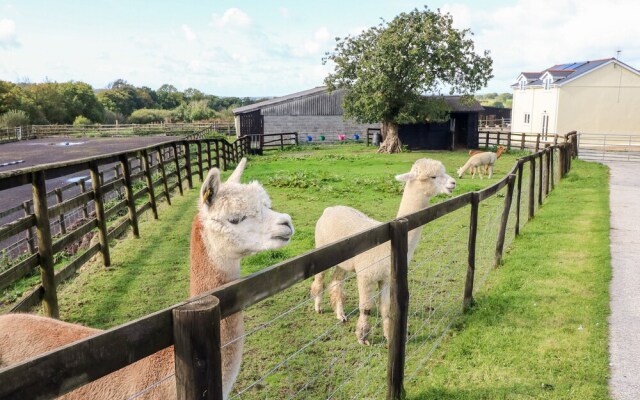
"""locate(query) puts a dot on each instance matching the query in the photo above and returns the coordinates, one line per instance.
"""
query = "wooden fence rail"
(79, 363)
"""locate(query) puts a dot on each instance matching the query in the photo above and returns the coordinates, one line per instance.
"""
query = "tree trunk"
(391, 143)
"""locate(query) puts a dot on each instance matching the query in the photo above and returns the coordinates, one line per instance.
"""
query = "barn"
(314, 113)
(318, 114)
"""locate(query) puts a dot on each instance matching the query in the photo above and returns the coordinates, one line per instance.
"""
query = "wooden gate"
(252, 125)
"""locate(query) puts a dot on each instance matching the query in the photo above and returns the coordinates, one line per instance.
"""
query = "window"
(547, 83)
(527, 118)
(522, 84)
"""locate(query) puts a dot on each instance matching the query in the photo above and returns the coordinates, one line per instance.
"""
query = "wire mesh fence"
(290, 351)
(297, 353)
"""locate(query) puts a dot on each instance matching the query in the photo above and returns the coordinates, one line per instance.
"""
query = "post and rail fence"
(86, 360)
(129, 182)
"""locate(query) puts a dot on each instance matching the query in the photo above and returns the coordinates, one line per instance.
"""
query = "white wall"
(605, 101)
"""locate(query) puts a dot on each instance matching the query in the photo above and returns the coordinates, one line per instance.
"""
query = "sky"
(272, 48)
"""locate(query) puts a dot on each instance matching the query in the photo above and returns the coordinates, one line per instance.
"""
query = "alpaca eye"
(236, 221)
(433, 177)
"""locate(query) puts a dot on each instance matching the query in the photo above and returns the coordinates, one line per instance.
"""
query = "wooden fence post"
(547, 181)
(196, 332)
(541, 177)
(147, 174)
(85, 209)
(498, 139)
(532, 187)
(187, 160)
(552, 169)
(399, 308)
(504, 220)
(26, 206)
(467, 302)
(208, 155)
(163, 172)
(176, 161)
(217, 153)
(486, 144)
(99, 206)
(522, 138)
(509, 141)
(519, 195)
(45, 245)
(200, 162)
(537, 142)
(128, 192)
(63, 225)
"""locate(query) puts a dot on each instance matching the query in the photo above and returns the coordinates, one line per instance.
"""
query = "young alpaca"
(233, 220)
(427, 178)
(486, 159)
(501, 149)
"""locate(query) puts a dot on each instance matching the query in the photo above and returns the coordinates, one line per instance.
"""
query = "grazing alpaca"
(427, 178)
(485, 159)
(472, 171)
(234, 220)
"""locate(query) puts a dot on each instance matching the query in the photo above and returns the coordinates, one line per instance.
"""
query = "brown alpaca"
(473, 152)
(234, 220)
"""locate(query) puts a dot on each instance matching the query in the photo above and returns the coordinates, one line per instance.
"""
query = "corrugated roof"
(276, 100)
(278, 105)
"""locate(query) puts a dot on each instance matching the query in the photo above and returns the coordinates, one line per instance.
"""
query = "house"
(598, 96)
(318, 114)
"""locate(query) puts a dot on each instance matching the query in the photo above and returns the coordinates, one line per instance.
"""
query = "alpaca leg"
(317, 287)
(385, 303)
(490, 171)
(337, 293)
(366, 292)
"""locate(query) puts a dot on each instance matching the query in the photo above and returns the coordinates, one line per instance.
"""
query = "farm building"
(599, 96)
(316, 113)
(461, 130)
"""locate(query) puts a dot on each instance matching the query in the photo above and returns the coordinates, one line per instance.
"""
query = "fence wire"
(292, 352)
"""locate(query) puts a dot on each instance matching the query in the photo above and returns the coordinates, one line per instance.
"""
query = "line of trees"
(77, 102)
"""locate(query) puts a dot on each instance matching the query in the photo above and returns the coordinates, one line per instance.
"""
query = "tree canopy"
(388, 70)
(65, 103)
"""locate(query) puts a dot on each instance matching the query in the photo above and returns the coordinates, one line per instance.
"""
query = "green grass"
(150, 273)
(539, 330)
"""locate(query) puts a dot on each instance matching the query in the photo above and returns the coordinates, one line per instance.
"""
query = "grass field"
(538, 329)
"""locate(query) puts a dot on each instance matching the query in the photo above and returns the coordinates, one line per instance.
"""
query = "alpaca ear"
(210, 187)
(409, 176)
(237, 173)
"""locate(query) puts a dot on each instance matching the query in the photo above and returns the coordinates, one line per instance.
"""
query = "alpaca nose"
(286, 221)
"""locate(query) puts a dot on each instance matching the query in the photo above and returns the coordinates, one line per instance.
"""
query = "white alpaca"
(486, 159)
(427, 178)
(234, 220)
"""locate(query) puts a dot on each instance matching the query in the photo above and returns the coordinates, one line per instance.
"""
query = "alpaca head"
(501, 149)
(238, 217)
(430, 177)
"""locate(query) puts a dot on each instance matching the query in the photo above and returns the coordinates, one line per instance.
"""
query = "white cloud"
(8, 33)
(314, 46)
(285, 12)
(233, 18)
(189, 34)
(531, 35)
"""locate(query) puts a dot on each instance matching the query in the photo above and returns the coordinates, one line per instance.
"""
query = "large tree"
(389, 69)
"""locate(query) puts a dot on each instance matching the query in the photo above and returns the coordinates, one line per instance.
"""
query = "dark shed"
(460, 131)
